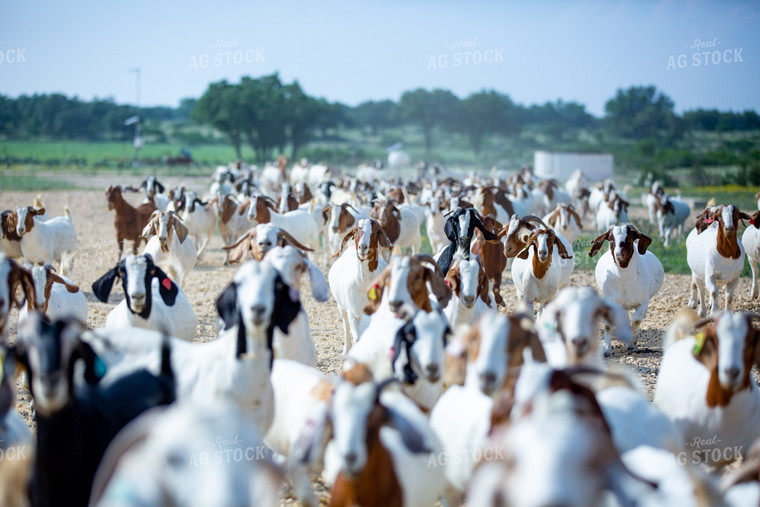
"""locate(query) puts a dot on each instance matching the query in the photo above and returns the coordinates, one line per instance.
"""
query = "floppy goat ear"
(448, 228)
(375, 292)
(160, 187)
(438, 286)
(179, 227)
(483, 291)
(599, 241)
(348, 237)
(94, 369)
(285, 309)
(226, 305)
(382, 238)
(644, 241)
(563, 253)
(525, 251)
(488, 235)
(166, 287)
(101, 287)
(239, 250)
(151, 227)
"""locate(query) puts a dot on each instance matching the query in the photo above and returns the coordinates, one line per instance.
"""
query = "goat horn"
(533, 218)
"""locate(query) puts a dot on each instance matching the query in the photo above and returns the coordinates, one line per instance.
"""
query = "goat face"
(418, 349)
(488, 360)
(352, 409)
(49, 353)
(255, 283)
(621, 238)
(728, 349)
(25, 218)
(468, 280)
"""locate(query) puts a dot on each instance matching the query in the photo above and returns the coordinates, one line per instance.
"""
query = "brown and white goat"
(492, 256)
(565, 219)
(12, 276)
(258, 241)
(129, 221)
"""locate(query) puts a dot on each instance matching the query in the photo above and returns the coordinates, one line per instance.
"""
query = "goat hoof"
(606, 351)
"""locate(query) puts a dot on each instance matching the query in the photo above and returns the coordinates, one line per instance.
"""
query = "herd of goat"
(444, 395)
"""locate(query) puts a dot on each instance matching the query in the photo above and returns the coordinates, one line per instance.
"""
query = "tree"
(484, 112)
(220, 106)
(429, 110)
(302, 115)
(640, 112)
(375, 115)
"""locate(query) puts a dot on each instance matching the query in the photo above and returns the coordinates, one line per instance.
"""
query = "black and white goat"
(152, 300)
(75, 424)
(460, 229)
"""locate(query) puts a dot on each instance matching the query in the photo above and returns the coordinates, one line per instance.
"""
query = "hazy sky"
(355, 50)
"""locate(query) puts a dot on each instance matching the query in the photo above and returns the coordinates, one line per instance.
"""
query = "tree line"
(272, 117)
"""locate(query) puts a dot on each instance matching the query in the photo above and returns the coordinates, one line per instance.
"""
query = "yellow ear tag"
(373, 292)
(2, 365)
(699, 344)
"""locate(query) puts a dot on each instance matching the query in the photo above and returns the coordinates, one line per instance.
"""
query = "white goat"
(200, 220)
(627, 274)
(715, 256)
(615, 211)
(365, 417)
(751, 242)
(152, 300)
(42, 242)
(569, 327)
(705, 386)
(55, 296)
(471, 296)
(434, 224)
(206, 454)
(671, 215)
(169, 245)
(565, 220)
(353, 272)
(537, 272)
(299, 223)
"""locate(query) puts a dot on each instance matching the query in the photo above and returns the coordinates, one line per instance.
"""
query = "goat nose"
(488, 377)
(468, 299)
(433, 372)
(350, 459)
(394, 305)
(138, 297)
(335, 229)
(579, 342)
(732, 373)
(258, 309)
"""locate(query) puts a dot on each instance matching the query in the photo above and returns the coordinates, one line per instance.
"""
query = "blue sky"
(353, 50)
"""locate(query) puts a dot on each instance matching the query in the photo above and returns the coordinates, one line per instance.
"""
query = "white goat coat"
(62, 303)
(48, 240)
(178, 320)
(707, 265)
(633, 286)
(409, 235)
(681, 395)
(751, 242)
(557, 276)
(671, 221)
(180, 258)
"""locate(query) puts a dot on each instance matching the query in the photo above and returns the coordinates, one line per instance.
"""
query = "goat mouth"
(468, 304)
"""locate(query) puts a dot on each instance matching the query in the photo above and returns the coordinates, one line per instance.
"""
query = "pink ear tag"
(752, 221)
(167, 283)
(707, 221)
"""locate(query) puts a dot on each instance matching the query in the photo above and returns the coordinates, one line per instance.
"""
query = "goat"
(198, 217)
(538, 273)
(299, 223)
(434, 224)
(416, 355)
(600, 194)
(553, 195)
(470, 296)
(493, 201)
(75, 425)
(169, 245)
(564, 444)
(614, 212)
(189, 454)
(16, 441)
(380, 449)
(232, 220)
(569, 327)
(340, 218)
(54, 296)
(154, 193)
(401, 224)
(353, 272)
(566, 220)
(128, 220)
(751, 243)
(152, 300)
(705, 384)
(671, 215)
(42, 242)
(10, 242)
(12, 276)
(626, 275)
(288, 201)
(651, 200)
(492, 351)
(258, 241)
(492, 256)
(715, 256)
(459, 230)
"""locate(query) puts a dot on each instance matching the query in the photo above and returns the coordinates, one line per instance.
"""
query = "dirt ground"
(98, 253)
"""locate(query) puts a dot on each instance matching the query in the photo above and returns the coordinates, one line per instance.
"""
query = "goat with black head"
(459, 229)
(153, 300)
(76, 422)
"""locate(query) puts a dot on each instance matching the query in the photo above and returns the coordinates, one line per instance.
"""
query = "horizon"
(701, 54)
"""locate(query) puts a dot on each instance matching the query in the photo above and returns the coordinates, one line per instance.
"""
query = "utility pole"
(138, 139)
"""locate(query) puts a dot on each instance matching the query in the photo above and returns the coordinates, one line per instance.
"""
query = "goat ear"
(166, 287)
(525, 251)
(288, 239)
(552, 218)
(69, 287)
(179, 227)
(563, 253)
(412, 438)
(448, 229)
(239, 250)
(452, 279)
(94, 368)
(488, 235)
(706, 348)
(149, 229)
(37, 211)
(755, 219)
(319, 287)
(382, 238)
(326, 213)
(577, 217)
(226, 305)
(438, 286)
(285, 309)
(598, 242)
(160, 187)
(483, 291)
(348, 237)
(375, 292)
(644, 242)
(101, 287)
